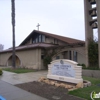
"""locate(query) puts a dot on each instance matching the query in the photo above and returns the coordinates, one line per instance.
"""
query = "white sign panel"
(62, 69)
(65, 70)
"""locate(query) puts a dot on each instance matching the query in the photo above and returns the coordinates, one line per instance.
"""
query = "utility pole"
(13, 32)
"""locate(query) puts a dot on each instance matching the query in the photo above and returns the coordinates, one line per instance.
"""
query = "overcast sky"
(62, 17)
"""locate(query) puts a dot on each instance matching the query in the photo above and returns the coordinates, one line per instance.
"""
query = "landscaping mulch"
(47, 91)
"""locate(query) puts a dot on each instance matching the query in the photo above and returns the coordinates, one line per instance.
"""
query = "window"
(74, 55)
(36, 40)
(70, 57)
(55, 41)
(40, 38)
(43, 38)
(42, 56)
(65, 55)
(57, 57)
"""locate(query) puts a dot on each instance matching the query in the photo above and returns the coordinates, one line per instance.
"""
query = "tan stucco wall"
(51, 40)
(29, 42)
(80, 54)
(4, 57)
(29, 58)
(32, 58)
(59, 54)
(80, 59)
(61, 43)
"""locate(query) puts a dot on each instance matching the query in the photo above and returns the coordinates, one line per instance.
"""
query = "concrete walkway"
(10, 92)
(14, 78)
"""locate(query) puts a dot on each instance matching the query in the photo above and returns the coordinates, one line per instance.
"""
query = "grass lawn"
(85, 92)
(18, 70)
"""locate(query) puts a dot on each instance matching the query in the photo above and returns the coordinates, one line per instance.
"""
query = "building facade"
(31, 52)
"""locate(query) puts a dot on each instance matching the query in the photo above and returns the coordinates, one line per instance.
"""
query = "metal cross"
(38, 26)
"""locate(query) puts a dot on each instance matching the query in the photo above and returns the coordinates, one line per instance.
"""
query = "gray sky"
(62, 17)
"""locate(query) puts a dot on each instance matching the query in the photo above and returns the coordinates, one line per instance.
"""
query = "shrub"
(47, 61)
(48, 57)
(93, 53)
(83, 66)
(1, 72)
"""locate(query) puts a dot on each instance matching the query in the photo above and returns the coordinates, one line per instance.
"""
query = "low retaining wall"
(91, 73)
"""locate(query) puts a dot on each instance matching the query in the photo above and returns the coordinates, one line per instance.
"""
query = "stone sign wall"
(65, 70)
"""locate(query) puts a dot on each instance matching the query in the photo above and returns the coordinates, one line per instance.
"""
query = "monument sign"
(65, 70)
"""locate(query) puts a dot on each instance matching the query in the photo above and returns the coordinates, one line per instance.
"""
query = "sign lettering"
(63, 70)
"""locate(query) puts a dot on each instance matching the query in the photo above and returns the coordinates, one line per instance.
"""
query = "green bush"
(47, 61)
(48, 57)
(93, 53)
(1, 72)
(83, 66)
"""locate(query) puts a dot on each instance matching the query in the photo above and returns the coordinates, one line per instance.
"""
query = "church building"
(31, 52)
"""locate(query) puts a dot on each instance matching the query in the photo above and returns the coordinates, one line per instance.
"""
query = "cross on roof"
(38, 26)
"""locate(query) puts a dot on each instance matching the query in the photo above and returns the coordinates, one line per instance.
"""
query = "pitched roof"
(30, 46)
(61, 38)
